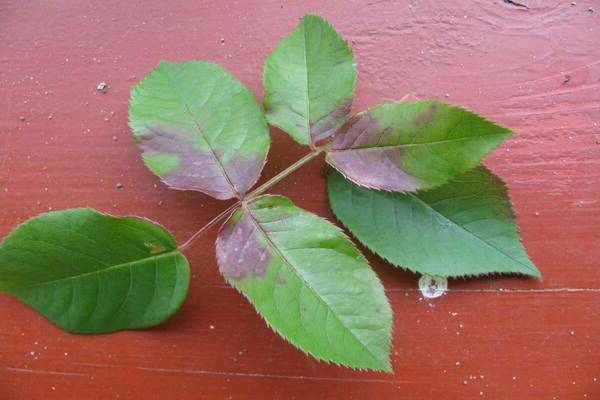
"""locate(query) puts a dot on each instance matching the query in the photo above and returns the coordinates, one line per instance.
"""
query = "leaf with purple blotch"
(411, 146)
(309, 81)
(199, 128)
(308, 281)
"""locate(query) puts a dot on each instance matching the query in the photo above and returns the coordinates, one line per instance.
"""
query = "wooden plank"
(219, 347)
(536, 70)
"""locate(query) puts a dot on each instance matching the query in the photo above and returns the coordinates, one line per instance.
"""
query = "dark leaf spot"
(427, 116)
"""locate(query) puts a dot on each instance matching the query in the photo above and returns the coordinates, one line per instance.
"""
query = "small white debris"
(102, 86)
(212, 327)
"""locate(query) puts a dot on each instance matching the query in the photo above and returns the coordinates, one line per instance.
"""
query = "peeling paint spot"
(433, 286)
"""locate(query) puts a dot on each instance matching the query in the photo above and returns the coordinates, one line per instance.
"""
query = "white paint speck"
(102, 87)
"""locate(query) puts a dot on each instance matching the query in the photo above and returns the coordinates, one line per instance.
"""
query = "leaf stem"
(255, 193)
(209, 225)
(280, 176)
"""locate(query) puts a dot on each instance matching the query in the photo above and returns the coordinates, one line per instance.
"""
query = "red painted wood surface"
(536, 70)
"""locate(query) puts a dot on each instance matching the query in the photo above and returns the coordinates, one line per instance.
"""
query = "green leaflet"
(92, 273)
(308, 281)
(465, 227)
(410, 146)
(199, 128)
(309, 81)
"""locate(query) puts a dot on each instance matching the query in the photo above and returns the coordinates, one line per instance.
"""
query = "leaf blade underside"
(199, 128)
(309, 81)
(463, 228)
(89, 272)
(406, 147)
(308, 281)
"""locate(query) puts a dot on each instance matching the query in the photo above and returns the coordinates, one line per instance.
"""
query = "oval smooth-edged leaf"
(90, 272)
(463, 228)
(309, 81)
(406, 147)
(199, 128)
(308, 281)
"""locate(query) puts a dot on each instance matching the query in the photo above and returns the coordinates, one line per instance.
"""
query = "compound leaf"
(199, 128)
(308, 281)
(92, 273)
(309, 81)
(465, 227)
(410, 146)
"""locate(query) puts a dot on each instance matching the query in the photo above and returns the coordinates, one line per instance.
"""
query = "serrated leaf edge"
(508, 134)
(504, 187)
(387, 368)
(348, 47)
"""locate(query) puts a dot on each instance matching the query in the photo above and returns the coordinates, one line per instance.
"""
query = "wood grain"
(536, 70)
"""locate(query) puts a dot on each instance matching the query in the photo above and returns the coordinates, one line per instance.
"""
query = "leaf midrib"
(201, 131)
(454, 223)
(98, 271)
(308, 127)
(310, 288)
(351, 149)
